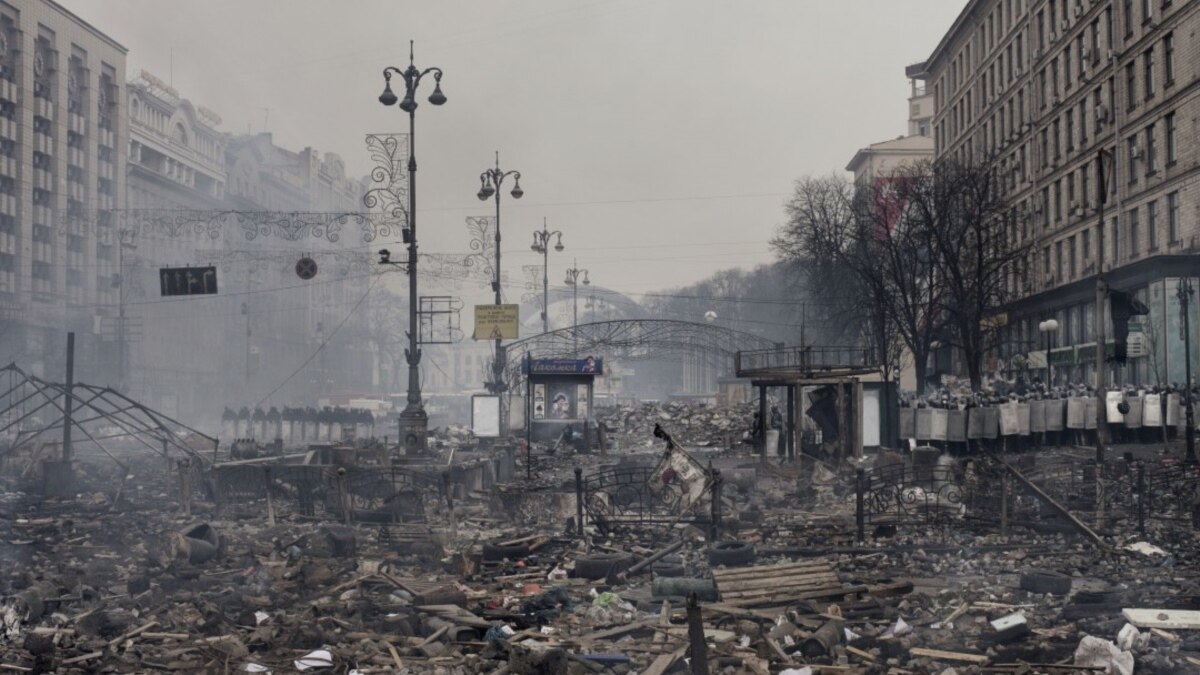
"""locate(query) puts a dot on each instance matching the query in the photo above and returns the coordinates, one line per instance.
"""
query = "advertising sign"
(590, 365)
(485, 416)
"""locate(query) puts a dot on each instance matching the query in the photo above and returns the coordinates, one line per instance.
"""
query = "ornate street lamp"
(573, 280)
(414, 422)
(541, 244)
(489, 186)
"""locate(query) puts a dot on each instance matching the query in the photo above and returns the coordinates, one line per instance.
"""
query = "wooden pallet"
(779, 584)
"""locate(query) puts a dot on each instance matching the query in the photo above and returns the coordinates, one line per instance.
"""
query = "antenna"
(266, 117)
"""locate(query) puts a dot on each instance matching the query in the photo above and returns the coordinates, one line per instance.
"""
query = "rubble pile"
(743, 567)
(694, 425)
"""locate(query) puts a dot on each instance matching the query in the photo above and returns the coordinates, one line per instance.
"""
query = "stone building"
(1042, 86)
(62, 156)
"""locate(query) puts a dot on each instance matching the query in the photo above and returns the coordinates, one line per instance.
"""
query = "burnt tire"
(1046, 581)
(600, 566)
(494, 552)
(730, 554)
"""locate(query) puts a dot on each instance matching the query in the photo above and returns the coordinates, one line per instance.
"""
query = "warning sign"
(496, 322)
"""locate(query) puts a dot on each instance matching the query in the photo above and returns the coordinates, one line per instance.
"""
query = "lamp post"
(414, 422)
(1104, 165)
(489, 186)
(1184, 293)
(1049, 329)
(573, 280)
(541, 244)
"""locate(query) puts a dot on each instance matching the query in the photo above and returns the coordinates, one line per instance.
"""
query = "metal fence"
(628, 496)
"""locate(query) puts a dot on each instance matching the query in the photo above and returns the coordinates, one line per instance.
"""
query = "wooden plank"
(779, 583)
(757, 572)
(619, 630)
(1163, 618)
(665, 661)
(941, 655)
(780, 591)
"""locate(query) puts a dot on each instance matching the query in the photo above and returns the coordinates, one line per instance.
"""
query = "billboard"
(589, 365)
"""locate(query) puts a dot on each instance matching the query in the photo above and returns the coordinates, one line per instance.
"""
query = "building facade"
(62, 157)
(1044, 87)
(233, 349)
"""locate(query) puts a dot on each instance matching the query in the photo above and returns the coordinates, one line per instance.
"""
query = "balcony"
(75, 157)
(9, 90)
(8, 128)
(8, 167)
(8, 205)
(42, 251)
(107, 137)
(8, 243)
(43, 143)
(76, 191)
(43, 108)
(77, 123)
(105, 170)
(8, 282)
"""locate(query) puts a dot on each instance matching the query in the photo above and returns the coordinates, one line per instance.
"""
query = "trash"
(1130, 638)
(1145, 548)
(1010, 627)
(797, 671)
(898, 629)
(320, 658)
(1100, 653)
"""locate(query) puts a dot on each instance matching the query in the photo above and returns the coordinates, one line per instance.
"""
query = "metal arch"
(635, 339)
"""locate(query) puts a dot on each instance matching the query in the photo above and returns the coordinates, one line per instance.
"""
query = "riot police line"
(1042, 417)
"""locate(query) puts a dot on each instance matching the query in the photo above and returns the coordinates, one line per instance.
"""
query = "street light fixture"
(489, 185)
(1184, 293)
(573, 280)
(414, 422)
(1049, 329)
(541, 244)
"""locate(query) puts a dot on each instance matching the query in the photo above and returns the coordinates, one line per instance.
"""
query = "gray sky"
(661, 136)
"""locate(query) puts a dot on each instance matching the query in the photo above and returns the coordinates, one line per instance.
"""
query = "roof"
(95, 31)
(962, 18)
(904, 145)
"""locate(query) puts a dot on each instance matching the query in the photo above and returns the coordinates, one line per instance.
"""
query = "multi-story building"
(199, 196)
(62, 156)
(1042, 87)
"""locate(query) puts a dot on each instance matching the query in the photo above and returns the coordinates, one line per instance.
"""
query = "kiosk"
(558, 395)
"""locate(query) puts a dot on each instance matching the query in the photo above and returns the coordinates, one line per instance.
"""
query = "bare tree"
(825, 239)
(968, 225)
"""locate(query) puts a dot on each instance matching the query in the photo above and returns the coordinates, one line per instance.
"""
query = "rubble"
(436, 565)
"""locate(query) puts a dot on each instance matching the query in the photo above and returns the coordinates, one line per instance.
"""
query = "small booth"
(558, 395)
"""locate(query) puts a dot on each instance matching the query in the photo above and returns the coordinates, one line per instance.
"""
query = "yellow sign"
(497, 322)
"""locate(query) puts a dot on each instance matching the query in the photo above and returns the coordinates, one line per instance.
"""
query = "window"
(1152, 224)
(1133, 233)
(1147, 12)
(41, 270)
(1071, 188)
(1127, 14)
(1130, 84)
(1148, 72)
(1067, 66)
(1058, 259)
(73, 277)
(1042, 87)
(1046, 261)
(1057, 140)
(1046, 205)
(1045, 147)
(1168, 59)
(1173, 218)
(1169, 122)
(1083, 121)
(1057, 200)
(1071, 256)
(75, 243)
(1070, 129)
(1095, 40)
(1054, 77)
(1087, 245)
(1151, 151)
(41, 233)
(1131, 144)
(1097, 116)
(1084, 185)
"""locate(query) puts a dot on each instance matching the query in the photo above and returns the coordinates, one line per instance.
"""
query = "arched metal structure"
(634, 339)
